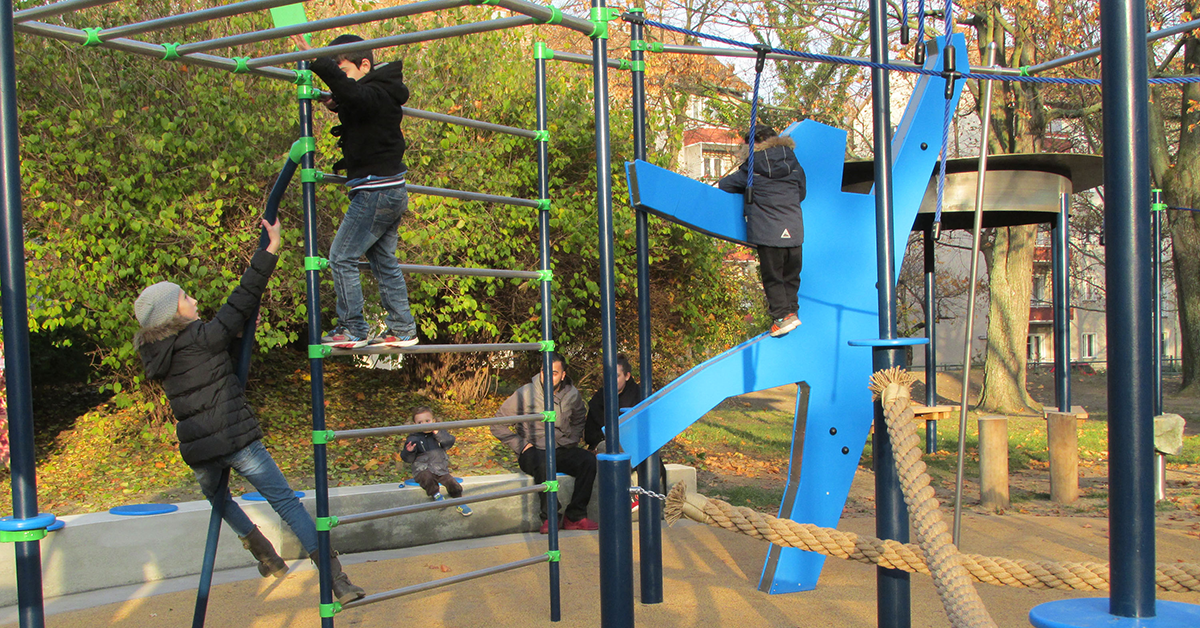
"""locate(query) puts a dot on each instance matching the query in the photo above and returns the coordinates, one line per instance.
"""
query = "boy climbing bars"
(774, 222)
(368, 99)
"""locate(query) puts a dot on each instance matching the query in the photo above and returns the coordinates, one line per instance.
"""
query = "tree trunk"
(1010, 278)
(1185, 253)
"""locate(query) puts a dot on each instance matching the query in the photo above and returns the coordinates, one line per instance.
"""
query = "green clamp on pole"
(638, 65)
(547, 345)
(554, 555)
(545, 275)
(302, 146)
(318, 352)
(303, 77)
(623, 64)
(542, 51)
(556, 16)
(172, 51)
(310, 175)
(638, 44)
(541, 136)
(551, 486)
(1156, 202)
(1024, 70)
(325, 524)
(548, 416)
(21, 536)
(543, 204)
(93, 36)
(600, 17)
(315, 263)
(656, 47)
(307, 92)
(329, 610)
(241, 65)
(323, 437)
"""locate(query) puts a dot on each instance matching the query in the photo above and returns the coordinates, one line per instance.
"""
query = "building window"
(1039, 289)
(1089, 346)
(1033, 349)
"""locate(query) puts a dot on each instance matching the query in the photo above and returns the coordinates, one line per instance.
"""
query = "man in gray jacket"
(528, 440)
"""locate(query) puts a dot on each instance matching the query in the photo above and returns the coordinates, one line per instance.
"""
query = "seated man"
(629, 394)
(528, 440)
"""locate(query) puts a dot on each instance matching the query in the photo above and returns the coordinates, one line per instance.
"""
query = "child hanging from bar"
(426, 452)
(368, 100)
(216, 427)
(774, 222)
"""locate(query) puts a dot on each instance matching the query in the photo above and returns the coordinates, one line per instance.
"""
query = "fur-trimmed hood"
(157, 345)
(766, 144)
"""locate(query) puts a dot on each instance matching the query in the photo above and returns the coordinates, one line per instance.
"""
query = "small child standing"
(774, 222)
(216, 427)
(426, 452)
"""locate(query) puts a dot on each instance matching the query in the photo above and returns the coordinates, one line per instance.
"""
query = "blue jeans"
(369, 228)
(256, 465)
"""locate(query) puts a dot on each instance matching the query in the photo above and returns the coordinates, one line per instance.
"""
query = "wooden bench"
(922, 412)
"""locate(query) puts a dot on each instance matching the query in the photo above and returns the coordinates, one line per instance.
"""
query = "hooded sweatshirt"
(192, 359)
(370, 111)
(570, 416)
(773, 217)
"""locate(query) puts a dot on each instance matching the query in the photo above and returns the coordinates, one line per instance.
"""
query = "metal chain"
(637, 490)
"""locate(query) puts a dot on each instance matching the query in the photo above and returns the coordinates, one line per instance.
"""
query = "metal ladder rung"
(422, 269)
(395, 430)
(467, 348)
(438, 505)
(436, 584)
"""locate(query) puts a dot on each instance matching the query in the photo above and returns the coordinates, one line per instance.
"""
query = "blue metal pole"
(19, 386)
(210, 553)
(893, 601)
(931, 334)
(616, 521)
(1156, 260)
(649, 472)
(1127, 280)
(541, 53)
(1060, 246)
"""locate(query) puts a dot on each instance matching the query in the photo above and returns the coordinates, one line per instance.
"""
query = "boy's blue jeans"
(254, 463)
(369, 228)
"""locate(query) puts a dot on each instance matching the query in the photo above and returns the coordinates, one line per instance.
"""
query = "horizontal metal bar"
(442, 582)
(777, 56)
(56, 8)
(417, 269)
(396, 430)
(321, 25)
(543, 13)
(439, 504)
(480, 348)
(193, 17)
(395, 40)
(572, 57)
(145, 49)
(486, 126)
(1092, 52)
(472, 196)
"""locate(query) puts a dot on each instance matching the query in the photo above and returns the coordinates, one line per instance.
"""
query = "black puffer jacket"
(773, 218)
(192, 359)
(370, 113)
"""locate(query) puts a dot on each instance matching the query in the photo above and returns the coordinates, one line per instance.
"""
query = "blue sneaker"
(341, 338)
(392, 340)
(464, 511)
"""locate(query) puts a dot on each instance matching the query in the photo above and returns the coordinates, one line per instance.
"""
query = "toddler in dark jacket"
(774, 222)
(426, 452)
(216, 427)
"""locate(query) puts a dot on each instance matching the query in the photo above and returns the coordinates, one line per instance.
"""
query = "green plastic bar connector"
(319, 352)
(171, 53)
(302, 146)
(547, 345)
(325, 524)
(638, 44)
(329, 610)
(556, 15)
(656, 47)
(623, 64)
(307, 92)
(600, 17)
(309, 175)
(1156, 204)
(543, 204)
(541, 136)
(315, 263)
(93, 36)
(551, 486)
(1024, 70)
(241, 65)
(548, 416)
(323, 437)
(637, 66)
(303, 77)
(554, 555)
(21, 536)
(545, 275)
(542, 51)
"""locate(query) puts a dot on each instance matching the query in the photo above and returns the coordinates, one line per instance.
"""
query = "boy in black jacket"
(368, 99)
(774, 222)
(426, 452)
(216, 427)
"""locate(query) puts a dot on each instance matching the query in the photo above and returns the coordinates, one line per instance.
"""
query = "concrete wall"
(101, 550)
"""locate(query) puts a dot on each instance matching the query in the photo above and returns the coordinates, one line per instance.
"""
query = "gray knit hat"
(157, 304)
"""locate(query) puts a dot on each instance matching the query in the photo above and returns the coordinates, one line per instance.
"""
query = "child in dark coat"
(216, 427)
(426, 452)
(774, 222)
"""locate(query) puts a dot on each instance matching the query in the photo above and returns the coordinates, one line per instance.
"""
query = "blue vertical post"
(931, 334)
(19, 386)
(1127, 282)
(616, 521)
(1157, 207)
(649, 472)
(541, 53)
(1060, 250)
(893, 601)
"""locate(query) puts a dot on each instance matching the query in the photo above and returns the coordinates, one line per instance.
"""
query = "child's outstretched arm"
(243, 302)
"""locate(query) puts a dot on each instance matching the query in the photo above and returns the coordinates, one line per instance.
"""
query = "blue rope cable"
(1176, 80)
(904, 15)
(750, 139)
(920, 22)
(937, 216)
(948, 25)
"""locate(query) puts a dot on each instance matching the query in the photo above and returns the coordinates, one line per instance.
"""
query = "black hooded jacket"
(773, 217)
(370, 113)
(192, 359)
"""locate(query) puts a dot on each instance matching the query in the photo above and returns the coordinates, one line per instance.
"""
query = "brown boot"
(269, 562)
(343, 590)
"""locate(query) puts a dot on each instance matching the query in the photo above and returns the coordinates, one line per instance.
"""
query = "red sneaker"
(545, 529)
(582, 524)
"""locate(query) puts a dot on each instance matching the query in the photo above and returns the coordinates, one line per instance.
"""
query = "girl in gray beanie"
(216, 427)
